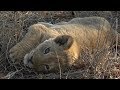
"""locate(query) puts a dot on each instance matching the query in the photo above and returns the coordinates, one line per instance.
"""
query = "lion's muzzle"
(28, 60)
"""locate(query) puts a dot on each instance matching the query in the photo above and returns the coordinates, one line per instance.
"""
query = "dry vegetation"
(13, 27)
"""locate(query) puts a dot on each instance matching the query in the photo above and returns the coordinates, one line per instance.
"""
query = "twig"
(58, 64)
(10, 74)
(116, 50)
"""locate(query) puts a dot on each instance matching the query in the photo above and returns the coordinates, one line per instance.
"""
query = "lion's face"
(51, 55)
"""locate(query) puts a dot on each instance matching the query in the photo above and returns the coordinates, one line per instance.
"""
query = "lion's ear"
(64, 41)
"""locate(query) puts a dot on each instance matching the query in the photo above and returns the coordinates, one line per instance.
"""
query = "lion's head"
(53, 54)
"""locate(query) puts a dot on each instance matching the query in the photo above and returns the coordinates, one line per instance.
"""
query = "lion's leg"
(34, 36)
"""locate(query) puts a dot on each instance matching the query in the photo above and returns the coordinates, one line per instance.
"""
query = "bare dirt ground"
(13, 27)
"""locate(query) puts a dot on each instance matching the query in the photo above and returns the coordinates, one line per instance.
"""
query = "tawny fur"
(87, 33)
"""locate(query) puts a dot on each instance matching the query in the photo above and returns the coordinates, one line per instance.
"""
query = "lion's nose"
(30, 60)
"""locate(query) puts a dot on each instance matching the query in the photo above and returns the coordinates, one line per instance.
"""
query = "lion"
(51, 47)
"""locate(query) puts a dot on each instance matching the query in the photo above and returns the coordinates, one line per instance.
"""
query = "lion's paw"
(15, 54)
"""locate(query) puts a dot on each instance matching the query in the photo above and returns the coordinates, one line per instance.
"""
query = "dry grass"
(13, 27)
